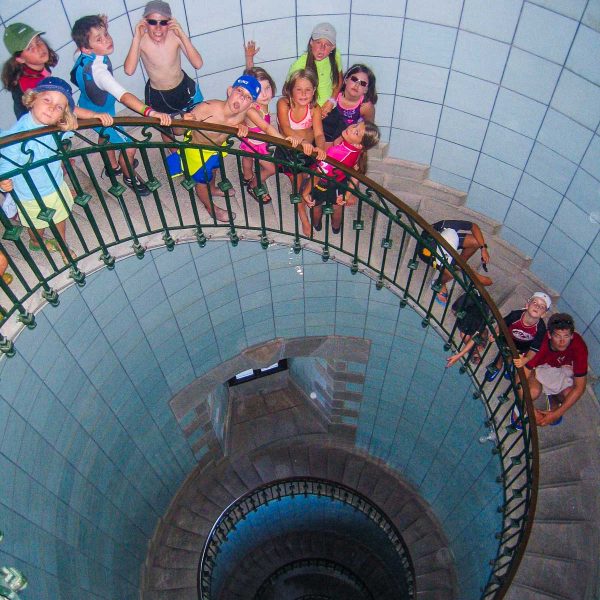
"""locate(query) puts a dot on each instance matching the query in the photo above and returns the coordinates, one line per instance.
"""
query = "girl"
(49, 103)
(31, 60)
(355, 101)
(356, 140)
(259, 120)
(299, 115)
(324, 59)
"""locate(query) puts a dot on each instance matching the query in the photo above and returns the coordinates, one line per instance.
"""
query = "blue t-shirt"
(41, 147)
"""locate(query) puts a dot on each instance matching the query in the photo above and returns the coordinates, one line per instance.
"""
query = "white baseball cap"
(542, 296)
(451, 237)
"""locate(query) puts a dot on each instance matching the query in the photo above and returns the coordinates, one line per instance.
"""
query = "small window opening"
(250, 374)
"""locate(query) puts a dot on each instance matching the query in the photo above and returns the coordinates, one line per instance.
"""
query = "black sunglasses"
(155, 22)
(360, 82)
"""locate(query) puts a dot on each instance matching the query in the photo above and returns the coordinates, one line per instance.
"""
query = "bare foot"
(306, 228)
(222, 215)
(217, 192)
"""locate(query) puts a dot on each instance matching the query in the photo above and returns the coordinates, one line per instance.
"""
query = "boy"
(527, 330)
(202, 163)
(559, 369)
(159, 42)
(92, 73)
(465, 236)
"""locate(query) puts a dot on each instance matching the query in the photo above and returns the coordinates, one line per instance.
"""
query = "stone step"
(549, 575)
(521, 591)
(398, 168)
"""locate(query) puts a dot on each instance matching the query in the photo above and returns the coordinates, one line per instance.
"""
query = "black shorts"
(282, 153)
(180, 99)
(325, 192)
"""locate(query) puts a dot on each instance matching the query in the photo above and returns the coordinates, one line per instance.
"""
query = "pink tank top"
(255, 129)
(304, 123)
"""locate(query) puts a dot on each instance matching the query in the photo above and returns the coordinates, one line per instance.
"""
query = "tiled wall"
(91, 454)
(502, 98)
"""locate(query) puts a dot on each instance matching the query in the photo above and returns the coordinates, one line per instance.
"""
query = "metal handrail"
(380, 241)
(239, 509)
(320, 563)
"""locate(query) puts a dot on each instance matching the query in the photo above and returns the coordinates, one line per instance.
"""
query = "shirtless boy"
(201, 164)
(159, 41)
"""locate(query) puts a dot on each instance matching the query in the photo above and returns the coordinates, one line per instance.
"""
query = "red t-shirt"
(576, 355)
(30, 78)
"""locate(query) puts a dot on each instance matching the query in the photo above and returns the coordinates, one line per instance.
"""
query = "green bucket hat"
(18, 36)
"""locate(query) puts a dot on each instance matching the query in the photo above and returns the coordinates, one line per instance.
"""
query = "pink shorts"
(252, 146)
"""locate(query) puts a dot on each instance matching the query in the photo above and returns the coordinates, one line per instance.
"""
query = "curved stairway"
(173, 558)
(562, 558)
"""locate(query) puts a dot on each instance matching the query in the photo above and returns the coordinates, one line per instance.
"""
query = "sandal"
(7, 278)
(441, 298)
(51, 245)
(251, 192)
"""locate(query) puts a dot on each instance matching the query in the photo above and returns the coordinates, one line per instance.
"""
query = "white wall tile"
(260, 10)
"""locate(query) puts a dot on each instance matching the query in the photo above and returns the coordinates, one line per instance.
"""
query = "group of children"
(322, 110)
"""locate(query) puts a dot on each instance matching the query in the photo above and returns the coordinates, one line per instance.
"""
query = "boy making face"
(201, 164)
(159, 41)
(92, 73)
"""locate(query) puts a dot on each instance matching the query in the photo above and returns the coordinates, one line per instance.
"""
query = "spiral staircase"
(560, 560)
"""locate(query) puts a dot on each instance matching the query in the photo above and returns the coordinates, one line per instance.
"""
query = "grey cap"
(158, 6)
(324, 31)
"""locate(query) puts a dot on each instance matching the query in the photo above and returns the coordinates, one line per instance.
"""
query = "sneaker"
(491, 372)
(515, 419)
(117, 171)
(140, 186)
(508, 372)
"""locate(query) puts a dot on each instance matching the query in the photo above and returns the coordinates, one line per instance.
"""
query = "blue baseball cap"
(249, 83)
(56, 84)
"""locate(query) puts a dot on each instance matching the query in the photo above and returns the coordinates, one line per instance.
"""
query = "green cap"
(18, 36)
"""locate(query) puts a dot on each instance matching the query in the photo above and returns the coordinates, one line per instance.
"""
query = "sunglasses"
(155, 22)
(360, 82)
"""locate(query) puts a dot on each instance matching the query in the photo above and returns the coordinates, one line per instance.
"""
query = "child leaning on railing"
(49, 103)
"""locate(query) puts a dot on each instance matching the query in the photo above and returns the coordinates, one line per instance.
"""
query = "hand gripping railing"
(378, 236)
(239, 509)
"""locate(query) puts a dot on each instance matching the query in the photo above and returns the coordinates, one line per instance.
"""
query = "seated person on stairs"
(467, 237)
(559, 369)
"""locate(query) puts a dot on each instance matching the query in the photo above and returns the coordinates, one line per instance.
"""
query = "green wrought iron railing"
(315, 565)
(11, 581)
(378, 236)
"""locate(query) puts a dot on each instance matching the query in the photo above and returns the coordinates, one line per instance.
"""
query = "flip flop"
(266, 198)
(441, 298)
(51, 246)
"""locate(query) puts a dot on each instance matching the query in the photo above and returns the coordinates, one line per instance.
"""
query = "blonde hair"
(66, 122)
(288, 87)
